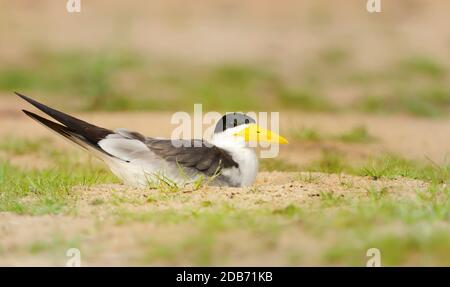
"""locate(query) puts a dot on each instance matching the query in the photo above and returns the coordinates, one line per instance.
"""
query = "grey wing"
(196, 154)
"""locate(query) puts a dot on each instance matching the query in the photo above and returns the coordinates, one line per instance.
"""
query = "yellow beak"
(254, 133)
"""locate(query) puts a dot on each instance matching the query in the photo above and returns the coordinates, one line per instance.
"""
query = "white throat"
(243, 155)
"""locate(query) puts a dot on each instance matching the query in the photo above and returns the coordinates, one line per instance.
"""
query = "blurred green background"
(230, 55)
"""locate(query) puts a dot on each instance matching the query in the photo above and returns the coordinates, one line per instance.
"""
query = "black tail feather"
(60, 129)
(91, 133)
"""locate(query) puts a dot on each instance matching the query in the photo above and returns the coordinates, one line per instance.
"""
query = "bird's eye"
(235, 122)
(247, 121)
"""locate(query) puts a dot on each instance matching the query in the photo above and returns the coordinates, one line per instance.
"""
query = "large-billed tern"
(140, 161)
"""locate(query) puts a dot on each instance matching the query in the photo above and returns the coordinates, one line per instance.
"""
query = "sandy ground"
(105, 242)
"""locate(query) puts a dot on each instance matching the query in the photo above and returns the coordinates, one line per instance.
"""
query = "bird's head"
(240, 128)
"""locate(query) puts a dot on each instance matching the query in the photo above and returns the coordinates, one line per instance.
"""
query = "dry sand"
(96, 228)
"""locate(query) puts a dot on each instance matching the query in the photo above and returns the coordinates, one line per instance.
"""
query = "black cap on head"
(232, 120)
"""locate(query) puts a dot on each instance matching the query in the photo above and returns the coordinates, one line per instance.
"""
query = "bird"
(139, 161)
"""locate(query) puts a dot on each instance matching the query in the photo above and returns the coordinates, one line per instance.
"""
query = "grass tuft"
(21, 146)
(273, 164)
(307, 134)
(47, 191)
(330, 162)
(358, 134)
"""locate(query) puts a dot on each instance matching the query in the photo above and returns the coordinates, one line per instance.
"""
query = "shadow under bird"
(228, 159)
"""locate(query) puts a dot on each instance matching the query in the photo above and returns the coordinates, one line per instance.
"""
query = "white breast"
(248, 165)
(247, 160)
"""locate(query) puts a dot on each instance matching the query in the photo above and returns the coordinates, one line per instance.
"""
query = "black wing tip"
(28, 99)
(28, 113)
(54, 126)
(36, 117)
(90, 132)
(20, 95)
